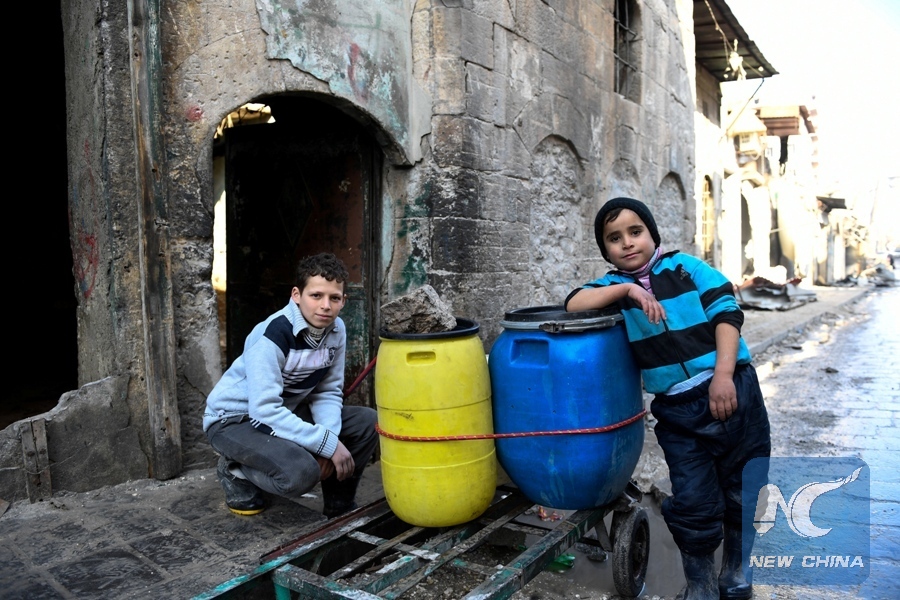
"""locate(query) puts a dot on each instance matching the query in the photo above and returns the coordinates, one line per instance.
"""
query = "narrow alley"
(832, 386)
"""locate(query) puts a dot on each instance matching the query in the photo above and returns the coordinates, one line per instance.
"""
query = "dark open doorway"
(302, 181)
(40, 297)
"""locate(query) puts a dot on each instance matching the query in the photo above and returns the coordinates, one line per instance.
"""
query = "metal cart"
(370, 554)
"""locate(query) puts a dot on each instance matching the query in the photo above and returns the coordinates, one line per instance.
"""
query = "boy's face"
(628, 241)
(320, 301)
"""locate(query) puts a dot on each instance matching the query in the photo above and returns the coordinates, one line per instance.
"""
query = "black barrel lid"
(555, 319)
(464, 327)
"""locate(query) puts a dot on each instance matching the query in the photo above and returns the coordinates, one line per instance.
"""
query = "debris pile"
(761, 293)
(880, 275)
(420, 311)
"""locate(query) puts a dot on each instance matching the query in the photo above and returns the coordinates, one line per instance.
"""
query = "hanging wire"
(735, 60)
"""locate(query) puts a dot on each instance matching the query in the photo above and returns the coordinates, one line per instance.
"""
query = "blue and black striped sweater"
(696, 298)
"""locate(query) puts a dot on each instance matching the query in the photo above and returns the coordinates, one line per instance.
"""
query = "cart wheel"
(631, 548)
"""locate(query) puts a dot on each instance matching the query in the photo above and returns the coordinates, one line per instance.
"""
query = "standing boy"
(683, 325)
(277, 417)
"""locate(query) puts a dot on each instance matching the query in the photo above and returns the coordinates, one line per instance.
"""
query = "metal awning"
(712, 20)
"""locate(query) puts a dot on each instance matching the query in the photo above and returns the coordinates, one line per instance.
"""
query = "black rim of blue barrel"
(464, 327)
(555, 319)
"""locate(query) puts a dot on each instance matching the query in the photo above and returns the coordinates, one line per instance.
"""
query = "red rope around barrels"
(494, 436)
(359, 379)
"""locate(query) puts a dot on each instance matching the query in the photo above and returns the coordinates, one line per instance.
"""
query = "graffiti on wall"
(363, 49)
(85, 252)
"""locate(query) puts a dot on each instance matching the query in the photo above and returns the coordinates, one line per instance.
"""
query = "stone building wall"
(502, 135)
(527, 139)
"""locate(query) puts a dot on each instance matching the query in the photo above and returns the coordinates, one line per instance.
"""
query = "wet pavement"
(836, 392)
(831, 376)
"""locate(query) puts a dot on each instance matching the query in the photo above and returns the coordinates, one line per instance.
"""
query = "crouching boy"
(277, 416)
(683, 325)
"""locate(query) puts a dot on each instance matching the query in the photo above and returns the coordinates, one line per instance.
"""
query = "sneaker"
(241, 496)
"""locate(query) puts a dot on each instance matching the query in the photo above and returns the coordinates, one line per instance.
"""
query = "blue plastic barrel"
(552, 370)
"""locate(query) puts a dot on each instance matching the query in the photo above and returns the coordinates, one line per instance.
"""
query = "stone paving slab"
(176, 539)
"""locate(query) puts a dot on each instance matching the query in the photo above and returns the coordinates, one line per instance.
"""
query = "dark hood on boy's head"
(636, 206)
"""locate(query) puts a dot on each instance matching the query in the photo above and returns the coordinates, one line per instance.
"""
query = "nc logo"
(797, 509)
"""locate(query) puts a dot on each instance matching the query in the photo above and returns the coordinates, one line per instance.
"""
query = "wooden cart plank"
(532, 561)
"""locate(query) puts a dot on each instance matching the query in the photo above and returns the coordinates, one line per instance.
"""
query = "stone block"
(90, 442)
(12, 475)
(421, 311)
(494, 11)
(557, 77)
(511, 155)
(457, 193)
(482, 94)
(447, 31)
(467, 142)
(90, 439)
(505, 198)
(448, 85)
(477, 44)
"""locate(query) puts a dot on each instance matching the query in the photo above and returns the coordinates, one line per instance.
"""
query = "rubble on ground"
(880, 275)
(761, 293)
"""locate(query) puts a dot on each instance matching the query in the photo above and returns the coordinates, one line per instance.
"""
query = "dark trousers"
(280, 466)
(706, 458)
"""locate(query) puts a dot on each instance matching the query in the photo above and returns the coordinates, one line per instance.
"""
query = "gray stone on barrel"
(420, 311)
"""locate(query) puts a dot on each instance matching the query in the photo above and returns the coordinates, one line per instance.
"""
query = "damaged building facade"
(466, 144)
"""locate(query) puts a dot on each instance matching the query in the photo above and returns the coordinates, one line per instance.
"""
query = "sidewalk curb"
(761, 346)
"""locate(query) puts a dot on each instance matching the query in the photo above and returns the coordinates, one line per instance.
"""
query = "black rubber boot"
(339, 497)
(700, 573)
(735, 578)
(241, 496)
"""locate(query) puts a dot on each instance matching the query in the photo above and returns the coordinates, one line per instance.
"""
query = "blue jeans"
(280, 466)
(706, 458)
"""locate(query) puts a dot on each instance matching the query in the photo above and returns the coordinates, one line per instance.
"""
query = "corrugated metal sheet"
(712, 20)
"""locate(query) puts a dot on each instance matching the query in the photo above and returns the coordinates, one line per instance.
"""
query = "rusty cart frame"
(370, 554)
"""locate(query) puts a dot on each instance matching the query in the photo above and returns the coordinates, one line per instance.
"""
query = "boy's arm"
(264, 360)
(341, 462)
(589, 298)
(722, 394)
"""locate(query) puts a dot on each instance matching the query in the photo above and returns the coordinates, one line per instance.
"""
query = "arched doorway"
(303, 179)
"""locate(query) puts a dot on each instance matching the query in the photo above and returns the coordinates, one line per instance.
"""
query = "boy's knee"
(293, 484)
(360, 422)
(368, 417)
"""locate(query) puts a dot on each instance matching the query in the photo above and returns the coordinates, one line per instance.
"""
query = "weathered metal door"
(302, 185)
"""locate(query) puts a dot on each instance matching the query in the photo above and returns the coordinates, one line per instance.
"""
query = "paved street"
(832, 389)
(836, 392)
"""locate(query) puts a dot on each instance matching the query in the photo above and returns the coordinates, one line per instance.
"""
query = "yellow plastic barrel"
(435, 385)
